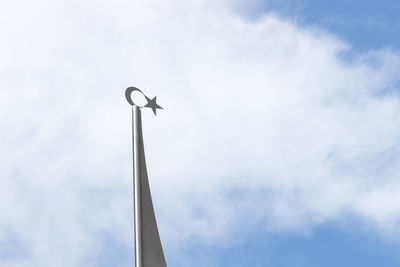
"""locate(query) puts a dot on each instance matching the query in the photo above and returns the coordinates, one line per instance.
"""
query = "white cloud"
(264, 127)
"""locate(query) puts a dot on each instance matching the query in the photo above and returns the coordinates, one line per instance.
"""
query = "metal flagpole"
(148, 248)
(136, 185)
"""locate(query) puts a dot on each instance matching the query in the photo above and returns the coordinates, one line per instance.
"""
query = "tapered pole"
(148, 248)
(136, 119)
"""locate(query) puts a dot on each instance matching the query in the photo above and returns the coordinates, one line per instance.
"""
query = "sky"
(278, 143)
(365, 25)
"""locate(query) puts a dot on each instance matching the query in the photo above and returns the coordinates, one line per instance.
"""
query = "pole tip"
(151, 102)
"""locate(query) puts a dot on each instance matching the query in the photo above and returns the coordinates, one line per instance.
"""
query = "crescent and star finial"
(151, 103)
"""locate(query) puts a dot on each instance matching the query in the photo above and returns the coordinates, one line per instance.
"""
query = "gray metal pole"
(137, 186)
(148, 248)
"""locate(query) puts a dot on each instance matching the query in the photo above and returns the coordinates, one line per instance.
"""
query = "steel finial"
(151, 103)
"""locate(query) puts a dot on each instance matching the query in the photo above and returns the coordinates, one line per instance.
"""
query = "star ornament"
(152, 103)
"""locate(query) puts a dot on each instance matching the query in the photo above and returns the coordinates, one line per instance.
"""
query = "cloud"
(265, 127)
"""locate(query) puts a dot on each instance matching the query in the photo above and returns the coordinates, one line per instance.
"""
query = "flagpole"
(136, 118)
(148, 247)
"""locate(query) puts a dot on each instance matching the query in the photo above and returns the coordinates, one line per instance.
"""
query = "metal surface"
(151, 103)
(148, 248)
(137, 185)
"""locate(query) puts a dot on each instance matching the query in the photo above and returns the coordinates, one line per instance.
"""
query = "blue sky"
(273, 149)
(366, 25)
(329, 245)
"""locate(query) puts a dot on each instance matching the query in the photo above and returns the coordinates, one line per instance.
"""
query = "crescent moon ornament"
(151, 103)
